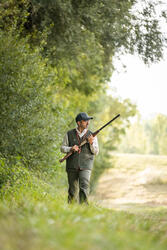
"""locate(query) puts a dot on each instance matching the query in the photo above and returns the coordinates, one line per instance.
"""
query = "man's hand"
(90, 139)
(75, 148)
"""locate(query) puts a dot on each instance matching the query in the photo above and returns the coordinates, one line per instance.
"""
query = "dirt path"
(136, 181)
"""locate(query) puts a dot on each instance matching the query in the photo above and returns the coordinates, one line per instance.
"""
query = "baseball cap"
(83, 116)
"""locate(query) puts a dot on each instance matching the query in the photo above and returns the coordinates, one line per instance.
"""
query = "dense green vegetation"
(149, 136)
(55, 61)
(36, 216)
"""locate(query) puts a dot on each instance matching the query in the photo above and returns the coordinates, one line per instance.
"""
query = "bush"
(15, 174)
(29, 121)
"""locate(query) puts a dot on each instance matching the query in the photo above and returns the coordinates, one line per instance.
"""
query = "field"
(136, 181)
(37, 217)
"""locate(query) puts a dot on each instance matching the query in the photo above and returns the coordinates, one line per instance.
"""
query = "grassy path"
(136, 181)
(34, 215)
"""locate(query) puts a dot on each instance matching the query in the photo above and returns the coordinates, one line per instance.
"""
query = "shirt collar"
(83, 132)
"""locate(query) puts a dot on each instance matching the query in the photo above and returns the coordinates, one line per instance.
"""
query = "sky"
(145, 86)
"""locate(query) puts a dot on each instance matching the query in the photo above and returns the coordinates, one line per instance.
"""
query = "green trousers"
(78, 179)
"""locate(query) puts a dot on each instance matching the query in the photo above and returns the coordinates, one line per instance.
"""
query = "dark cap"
(83, 116)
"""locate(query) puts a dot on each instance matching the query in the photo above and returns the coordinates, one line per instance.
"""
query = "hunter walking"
(80, 163)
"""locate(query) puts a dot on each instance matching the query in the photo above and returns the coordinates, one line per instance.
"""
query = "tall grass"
(34, 215)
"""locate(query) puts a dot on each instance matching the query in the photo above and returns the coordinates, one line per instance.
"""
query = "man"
(80, 163)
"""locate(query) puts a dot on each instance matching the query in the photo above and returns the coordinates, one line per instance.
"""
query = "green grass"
(139, 162)
(34, 215)
(154, 166)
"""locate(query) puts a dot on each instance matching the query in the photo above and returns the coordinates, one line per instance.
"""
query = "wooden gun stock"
(65, 157)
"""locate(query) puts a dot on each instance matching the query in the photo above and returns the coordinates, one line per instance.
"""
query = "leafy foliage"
(55, 61)
(28, 125)
(107, 108)
(74, 27)
(113, 24)
(13, 175)
(149, 136)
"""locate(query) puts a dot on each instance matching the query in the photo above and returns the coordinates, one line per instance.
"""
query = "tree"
(114, 25)
(135, 140)
(56, 57)
(109, 25)
(149, 136)
(105, 108)
(28, 126)
(158, 134)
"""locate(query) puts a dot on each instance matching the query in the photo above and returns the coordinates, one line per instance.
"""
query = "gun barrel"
(109, 122)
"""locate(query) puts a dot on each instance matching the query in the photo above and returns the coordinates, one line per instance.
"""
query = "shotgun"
(85, 140)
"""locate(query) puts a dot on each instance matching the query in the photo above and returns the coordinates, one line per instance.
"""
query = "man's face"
(83, 124)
